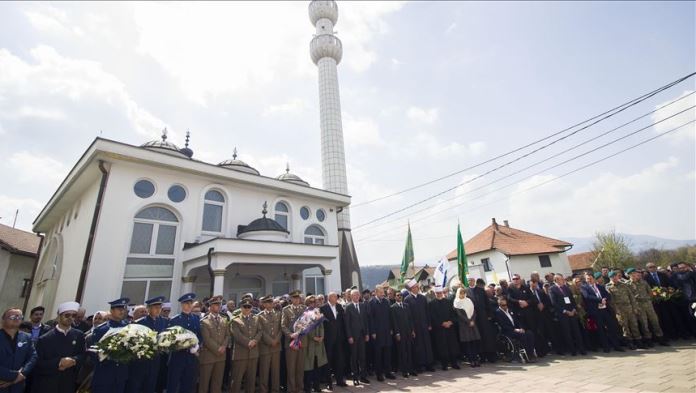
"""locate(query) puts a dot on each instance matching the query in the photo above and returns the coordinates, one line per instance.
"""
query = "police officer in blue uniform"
(110, 376)
(142, 374)
(183, 365)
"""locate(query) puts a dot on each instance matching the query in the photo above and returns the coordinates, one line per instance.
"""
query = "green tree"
(611, 249)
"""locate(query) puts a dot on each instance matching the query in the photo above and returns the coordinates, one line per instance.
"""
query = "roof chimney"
(495, 224)
(506, 223)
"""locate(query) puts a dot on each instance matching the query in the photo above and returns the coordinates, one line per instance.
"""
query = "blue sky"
(427, 88)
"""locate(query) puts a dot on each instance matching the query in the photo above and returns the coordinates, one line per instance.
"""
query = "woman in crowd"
(468, 332)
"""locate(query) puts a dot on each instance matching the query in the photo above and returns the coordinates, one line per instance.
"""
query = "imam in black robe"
(50, 348)
(445, 339)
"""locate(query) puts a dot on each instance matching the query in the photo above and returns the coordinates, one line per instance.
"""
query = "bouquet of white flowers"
(177, 338)
(124, 344)
(308, 321)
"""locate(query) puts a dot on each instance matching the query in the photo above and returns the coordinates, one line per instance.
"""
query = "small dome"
(238, 165)
(262, 224)
(164, 146)
(323, 9)
(186, 151)
(292, 178)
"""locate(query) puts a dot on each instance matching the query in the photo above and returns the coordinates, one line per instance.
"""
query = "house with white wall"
(18, 253)
(499, 251)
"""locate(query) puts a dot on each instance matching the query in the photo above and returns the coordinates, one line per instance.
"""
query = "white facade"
(14, 270)
(259, 263)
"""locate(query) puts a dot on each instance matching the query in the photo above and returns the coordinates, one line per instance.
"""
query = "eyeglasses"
(15, 317)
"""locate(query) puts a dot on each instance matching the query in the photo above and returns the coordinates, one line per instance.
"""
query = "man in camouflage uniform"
(623, 303)
(644, 308)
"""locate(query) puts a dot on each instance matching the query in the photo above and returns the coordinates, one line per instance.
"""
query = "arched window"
(212, 211)
(282, 214)
(314, 235)
(150, 262)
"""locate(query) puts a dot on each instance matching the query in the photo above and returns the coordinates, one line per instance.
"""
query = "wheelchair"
(510, 349)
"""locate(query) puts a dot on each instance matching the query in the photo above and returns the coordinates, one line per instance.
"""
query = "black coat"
(507, 327)
(334, 328)
(50, 349)
(401, 320)
(558, 296)
(380, 325)
(483, 316)
(356, 323)
(446, 342)
(419, 312)
(664, 280)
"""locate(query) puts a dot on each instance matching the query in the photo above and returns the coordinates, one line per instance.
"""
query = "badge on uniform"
(20, 344)
(74, 342)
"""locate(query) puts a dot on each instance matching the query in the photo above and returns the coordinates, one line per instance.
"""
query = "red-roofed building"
(18, 252)
(581, 262)
(499, 251)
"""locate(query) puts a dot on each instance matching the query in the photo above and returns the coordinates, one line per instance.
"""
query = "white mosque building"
(149, 220)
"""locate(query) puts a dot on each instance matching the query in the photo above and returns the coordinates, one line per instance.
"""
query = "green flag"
(462, 264)
(408, 254)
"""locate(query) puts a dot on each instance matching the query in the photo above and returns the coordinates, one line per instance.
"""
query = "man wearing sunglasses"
(19, 354)
(60, 353)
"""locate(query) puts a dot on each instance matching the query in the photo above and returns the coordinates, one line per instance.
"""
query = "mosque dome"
(163, 146)
(238, 165)
(292, 178)
(263, 228)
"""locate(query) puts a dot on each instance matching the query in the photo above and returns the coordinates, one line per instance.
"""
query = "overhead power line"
(552, 167)
(602, 116)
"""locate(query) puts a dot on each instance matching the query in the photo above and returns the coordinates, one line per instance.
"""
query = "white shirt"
(357, 307)
(333, 310)
(509, 317)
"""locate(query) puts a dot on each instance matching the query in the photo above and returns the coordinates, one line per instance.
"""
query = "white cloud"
(192, 41)
(422, 115)
(66, 84)
(361, 131)
(52, 20)
(656, 199)
(424, 143)
(28, 209)
(667, 125)
(34, 168)
(293, 107)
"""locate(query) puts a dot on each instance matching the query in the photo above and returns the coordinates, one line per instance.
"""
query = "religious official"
(110, 376)
(60, 354)
(183, 365)
(247, 333)
(422, 348)
(444, 333)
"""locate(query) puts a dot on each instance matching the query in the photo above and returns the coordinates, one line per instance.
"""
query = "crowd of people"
(383, 333)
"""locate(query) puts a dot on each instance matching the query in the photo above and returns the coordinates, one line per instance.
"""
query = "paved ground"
(662, 369)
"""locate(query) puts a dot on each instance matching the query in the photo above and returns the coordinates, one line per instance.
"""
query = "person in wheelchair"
(510, 327)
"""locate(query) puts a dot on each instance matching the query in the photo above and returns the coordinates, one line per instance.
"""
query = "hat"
(630, 270)
(411, 284)
(245, 302)
(438, 289)
(188, 297)
(295, 293)
(267, 298)
(612, 273)
(154, 301)
(366, 291)
(166, 306)
(248, 295)
(215, 300)
(68, 306)
(597, 275)
(404, 292)
(122, 302)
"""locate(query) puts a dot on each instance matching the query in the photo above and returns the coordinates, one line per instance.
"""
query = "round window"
(176, 193)
(304, 212)
(321, 215)
(144, 188)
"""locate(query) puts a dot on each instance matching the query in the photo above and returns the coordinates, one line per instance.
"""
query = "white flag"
(440, 274)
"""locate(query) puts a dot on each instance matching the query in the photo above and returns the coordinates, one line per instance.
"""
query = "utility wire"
(618, 109)
(553, 179)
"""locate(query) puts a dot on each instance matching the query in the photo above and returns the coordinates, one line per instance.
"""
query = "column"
(219, 282)
(187, 285)
(296, 278)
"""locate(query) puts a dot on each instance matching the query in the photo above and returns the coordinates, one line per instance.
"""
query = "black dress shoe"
(456, 366)
(405, 375)
(389, 376)
(414, 373)
(380, 378)
(365, 380)
(430, 369)
(342, 384)
(356, 382)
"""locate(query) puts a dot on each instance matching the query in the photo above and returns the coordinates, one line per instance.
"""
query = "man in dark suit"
(422, 347)
(381, 338)
(525, 305)
(483, 315)
(596, 299)
(20, 355)
(401, 322)
(666, 312)
(334, 336)
(60, 353)
(357, 334)
(38, 328)
(511, 326)
(567, 314)
(546, 324)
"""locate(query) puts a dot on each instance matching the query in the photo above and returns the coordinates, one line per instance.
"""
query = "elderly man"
(60, 353)
(422, 348)
(334, 337)
(357, 333)
(20, 355)
(110, 376)
(139, 311)
(511, 326)
(444, 333)
(166, 310)
(567, 314)
(80, 323)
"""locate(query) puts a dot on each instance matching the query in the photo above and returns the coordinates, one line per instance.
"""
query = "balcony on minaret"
(326, 45)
